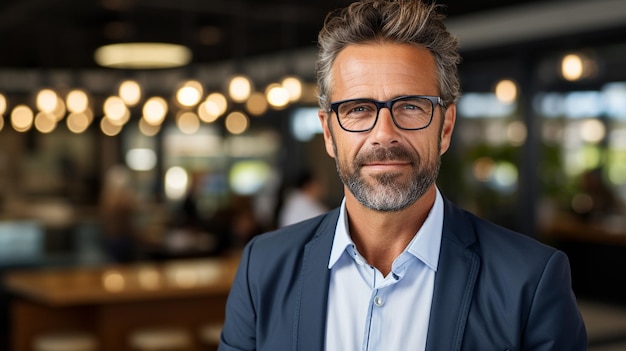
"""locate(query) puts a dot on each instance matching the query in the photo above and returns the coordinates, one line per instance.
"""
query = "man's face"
(386, 168)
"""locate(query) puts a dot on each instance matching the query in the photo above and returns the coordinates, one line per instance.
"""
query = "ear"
(448, 127)
(328, 138)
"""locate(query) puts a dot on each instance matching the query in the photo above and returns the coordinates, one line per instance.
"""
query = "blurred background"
(146, 133)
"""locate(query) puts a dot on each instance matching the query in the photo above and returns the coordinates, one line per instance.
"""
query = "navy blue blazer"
(494, 290)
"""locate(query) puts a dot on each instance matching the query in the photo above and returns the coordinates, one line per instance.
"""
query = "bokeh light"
(506, 91)
(130, 92)
(236, 122)
(256, 104)
(239, 88)
(77, 101)
(176, 183)
(277, 96)
(46, 100)
(148, 129)
(45, 122)
(108, 128)
(115, 108)
(22, 118)
(154, 110)
(3, 104)
(77, 122)
(293, 85)
(188, 122)
(190, 93)
(572, 67)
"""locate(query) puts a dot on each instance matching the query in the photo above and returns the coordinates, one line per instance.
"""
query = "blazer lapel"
(454, 282)
(315, 279)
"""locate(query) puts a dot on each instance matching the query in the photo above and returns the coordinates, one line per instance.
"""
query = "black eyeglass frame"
(434, 100)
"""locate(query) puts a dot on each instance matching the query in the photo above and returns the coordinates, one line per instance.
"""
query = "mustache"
(385, 154)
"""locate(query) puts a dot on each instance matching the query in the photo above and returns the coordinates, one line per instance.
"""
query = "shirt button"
(378, 301)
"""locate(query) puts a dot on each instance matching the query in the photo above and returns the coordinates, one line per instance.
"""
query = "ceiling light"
(77, 101)
(190, 93)
(130, 92)
(46, 100)
(506, 91)
(239, 88)
(236, 122)
(154, 110)
(114, 108)
(572, 67)
(220, 102)
(293, 86)
(22, 118)
(142, 55)
(277, 96)
(256, 104)
(3, 104)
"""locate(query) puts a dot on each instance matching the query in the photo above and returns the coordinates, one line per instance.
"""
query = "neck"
(382, 236)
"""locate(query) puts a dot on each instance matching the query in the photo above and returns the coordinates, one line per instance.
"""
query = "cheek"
(343, 146)
(338, 146)
(339, 149)
(428, 147)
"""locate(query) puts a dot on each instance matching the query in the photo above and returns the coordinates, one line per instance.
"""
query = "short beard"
(388, 194)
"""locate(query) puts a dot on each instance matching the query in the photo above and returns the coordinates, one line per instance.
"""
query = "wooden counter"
(597, 254)
(611, 231)
(110, 302)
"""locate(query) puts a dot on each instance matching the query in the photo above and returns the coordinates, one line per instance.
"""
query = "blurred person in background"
(599, 200)
(304, 201)
(118, 212)
(187, 215)
(397, 266)
(235, 224)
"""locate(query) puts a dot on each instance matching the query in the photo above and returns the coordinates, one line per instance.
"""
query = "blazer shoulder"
(293, 238)
(493, 240)
(507, 241)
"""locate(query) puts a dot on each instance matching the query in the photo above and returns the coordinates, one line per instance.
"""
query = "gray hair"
(396, 21)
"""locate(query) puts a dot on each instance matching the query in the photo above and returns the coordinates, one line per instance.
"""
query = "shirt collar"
(342, 239)
(424, 246)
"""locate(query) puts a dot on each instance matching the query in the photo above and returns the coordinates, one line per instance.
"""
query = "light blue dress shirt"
(369, 312)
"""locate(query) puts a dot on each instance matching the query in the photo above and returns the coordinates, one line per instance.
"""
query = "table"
(609, 231)
(597, 254)
(111, 301)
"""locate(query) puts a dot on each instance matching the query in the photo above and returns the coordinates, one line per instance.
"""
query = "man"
(397, 266)
(304, 201)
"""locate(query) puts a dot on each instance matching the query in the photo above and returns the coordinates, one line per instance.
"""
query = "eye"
(356, 108)
(413, 106)
(360, 108)
(409, 106)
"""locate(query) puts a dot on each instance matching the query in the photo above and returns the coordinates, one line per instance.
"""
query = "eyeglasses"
(412, 112)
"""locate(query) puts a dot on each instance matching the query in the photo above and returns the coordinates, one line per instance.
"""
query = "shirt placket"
(375, 321)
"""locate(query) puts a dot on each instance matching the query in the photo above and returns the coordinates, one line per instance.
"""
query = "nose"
(385, 131)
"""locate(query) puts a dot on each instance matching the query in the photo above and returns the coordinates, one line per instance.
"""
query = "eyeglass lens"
(408, 113)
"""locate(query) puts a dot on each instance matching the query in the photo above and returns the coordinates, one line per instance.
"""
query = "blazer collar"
(315, 279)
(454, 282)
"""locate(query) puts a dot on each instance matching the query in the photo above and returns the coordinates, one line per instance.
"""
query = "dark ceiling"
(64, 33)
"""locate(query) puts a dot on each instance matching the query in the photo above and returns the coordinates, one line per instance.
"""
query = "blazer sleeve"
(239, 331)
(554, 322)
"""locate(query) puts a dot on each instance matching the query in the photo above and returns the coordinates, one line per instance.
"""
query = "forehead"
(383, 70)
